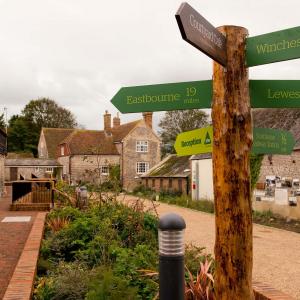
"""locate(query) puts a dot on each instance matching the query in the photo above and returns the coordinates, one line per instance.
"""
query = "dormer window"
(62, 150)
(141, 146)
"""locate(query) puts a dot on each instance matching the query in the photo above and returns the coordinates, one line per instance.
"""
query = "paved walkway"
(13, 236)
(276, 252)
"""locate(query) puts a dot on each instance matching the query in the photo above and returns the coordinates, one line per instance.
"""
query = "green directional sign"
(162, 97)
(274, 93)
(273, 47)
(272, 141)
(194, 142)
(265, 141)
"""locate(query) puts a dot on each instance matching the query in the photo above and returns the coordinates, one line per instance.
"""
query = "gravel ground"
(276, 252)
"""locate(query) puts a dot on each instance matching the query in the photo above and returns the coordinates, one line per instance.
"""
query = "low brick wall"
(264, 292)
(21, 283)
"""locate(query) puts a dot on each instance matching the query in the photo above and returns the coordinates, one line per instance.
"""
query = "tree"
(177, 121)
(24, 130)
(20, 137)
(2, 121)
(45, 112)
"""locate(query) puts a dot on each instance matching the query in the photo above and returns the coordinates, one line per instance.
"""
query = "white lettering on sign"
(205, 32)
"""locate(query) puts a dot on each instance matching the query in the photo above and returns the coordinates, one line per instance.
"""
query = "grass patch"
(266, 218)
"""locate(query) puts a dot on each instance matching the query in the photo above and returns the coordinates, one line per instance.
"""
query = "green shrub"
(69, 281)
(105, 285)
(130, 262)
(142, 190)
(186, 201)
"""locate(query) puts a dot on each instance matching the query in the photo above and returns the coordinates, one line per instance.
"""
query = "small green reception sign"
(274, 93)
(194, 142)
(273, 47)
(265, 141)
(162, 97)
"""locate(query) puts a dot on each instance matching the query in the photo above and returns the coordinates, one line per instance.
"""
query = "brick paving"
(13, 237)
(276, 253)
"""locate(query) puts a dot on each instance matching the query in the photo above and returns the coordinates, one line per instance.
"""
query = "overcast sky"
(80, 52)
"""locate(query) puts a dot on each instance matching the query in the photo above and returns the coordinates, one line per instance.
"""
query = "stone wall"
(64, 161)
(2, 158)
(163, 184)
(142, 132)
(85, 167)
(280, 165)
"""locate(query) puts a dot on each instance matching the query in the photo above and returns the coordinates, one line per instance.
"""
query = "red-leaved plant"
(200, 287)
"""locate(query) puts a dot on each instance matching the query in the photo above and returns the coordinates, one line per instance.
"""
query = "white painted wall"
(202, 179)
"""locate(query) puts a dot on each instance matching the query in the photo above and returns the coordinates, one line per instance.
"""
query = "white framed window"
(49, 170)
(141, 146)
(104, 170)
(142, 167)
(62, 150)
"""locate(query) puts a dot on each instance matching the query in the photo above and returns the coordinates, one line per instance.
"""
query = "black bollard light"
(171, 257)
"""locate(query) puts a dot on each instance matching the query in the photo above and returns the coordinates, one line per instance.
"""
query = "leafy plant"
(56, 224)
(105, 285)
(200, 287)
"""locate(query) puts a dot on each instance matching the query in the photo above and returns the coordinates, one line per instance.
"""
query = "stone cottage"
(87, 154)
(3, 152)
(28, 168)
(172, 174)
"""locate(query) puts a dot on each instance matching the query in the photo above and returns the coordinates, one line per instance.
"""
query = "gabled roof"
(171, 166)
(90, 142)
(120, 132)
(53, 137)
(31, 162)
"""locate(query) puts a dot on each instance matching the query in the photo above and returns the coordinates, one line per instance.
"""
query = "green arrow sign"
(273, 47)
(161, 97)
(272, 141)
(265, 141)
(198, 94)
(274, 93)
(194, 142)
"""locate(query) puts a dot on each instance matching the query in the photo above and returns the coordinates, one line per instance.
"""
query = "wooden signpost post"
(229, 94)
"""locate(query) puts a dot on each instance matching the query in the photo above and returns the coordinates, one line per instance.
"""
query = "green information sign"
(162, 97)
(274, 93)
(265, 141)
(273, 47)
(198, 94)
(194, 142)
(272, 141)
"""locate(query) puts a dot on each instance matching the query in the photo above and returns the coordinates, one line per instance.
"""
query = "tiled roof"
(31, 162)
(53, 137)
(81, 141)
(19, 155)
(120, 132)
(90, 142)
(171, 166)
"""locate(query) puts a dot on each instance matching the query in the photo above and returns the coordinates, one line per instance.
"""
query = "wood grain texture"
(231, 116)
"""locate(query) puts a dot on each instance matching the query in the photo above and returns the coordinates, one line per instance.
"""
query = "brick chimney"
(107, 121)
(116, 121)
(148, 118)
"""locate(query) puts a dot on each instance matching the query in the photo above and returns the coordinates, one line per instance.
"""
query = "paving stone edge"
(21, 284)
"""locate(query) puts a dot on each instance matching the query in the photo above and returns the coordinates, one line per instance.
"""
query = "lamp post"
(171, 257)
